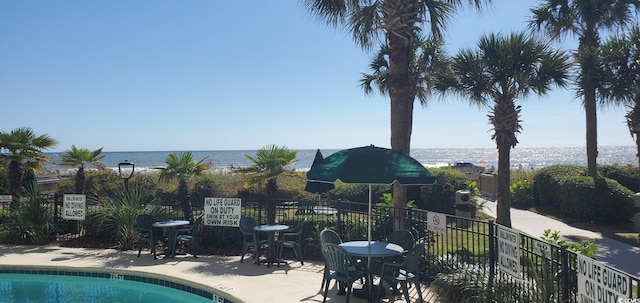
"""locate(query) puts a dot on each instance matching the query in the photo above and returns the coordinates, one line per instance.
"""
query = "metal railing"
(466, 241)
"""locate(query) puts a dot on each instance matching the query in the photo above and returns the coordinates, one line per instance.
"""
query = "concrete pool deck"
(246, 281)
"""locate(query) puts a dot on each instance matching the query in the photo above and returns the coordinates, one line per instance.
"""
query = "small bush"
(547, 188)
(599, 200)
(470, 284)
(522, 194)
(358, 192)
(569, 189)
(441, 196)
(34, 217)
(627, 175)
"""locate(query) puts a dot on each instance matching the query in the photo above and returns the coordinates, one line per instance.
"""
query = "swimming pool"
(58, 285)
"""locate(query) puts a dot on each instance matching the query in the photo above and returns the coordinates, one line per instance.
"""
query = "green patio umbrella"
(370, 165)
(318, 187)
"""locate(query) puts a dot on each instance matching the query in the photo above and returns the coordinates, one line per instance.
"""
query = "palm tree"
(503, 69)
(620, 63)
(24, 149)
(427, 59)
(181, 166)
(585, 19)
(270, 162)
(397, 23)
(80, 157)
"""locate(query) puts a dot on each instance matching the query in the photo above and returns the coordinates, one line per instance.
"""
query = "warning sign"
(509, 251)
(437, 222)
(222, 211)
(600, 283)
(73, 207)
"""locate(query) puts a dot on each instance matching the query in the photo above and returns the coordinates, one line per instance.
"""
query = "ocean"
(521, 157)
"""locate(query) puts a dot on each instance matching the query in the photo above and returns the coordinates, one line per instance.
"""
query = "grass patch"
(471, 242)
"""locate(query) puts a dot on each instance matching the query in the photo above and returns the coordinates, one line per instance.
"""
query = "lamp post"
(125, 169)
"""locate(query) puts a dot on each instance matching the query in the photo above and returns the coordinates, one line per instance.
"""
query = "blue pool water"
(42, 288)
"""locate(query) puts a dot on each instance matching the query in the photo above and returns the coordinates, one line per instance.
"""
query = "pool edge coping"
(144, 274)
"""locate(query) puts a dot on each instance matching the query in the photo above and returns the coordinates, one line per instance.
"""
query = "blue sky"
(226, 75)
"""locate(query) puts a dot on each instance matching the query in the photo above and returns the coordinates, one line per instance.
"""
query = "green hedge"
(441, 196)
(546, 183)
(627, 175)
(570, 190)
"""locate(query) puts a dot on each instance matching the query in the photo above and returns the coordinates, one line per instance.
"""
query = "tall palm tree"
(428, 57)
(181, 166)
(503, 69)
(397, 23)
(620, 63)
(80, 157)
(24, 149)
(270, 162)
(585, 19)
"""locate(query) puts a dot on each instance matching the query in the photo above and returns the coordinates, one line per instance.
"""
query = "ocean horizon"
(521, 157)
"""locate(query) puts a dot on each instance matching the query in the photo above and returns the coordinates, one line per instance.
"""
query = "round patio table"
(371, 249)
(170, 227)
(271, 230)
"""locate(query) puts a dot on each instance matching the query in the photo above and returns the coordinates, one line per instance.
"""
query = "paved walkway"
(246, 281)
(611, 252)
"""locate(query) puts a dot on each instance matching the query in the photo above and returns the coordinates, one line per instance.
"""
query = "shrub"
(34, 217)
(441, 196)
(358, 192)
(599, 199)
(547, 182)
(116, 217)
(627, 175)
(470, 284)
(522, 194)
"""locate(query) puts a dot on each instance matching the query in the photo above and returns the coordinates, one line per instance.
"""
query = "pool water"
(42, 288)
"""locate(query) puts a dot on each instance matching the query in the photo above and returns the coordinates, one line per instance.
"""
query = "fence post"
(56, 202)
(566, 288)
(410, 217)
(492, 253)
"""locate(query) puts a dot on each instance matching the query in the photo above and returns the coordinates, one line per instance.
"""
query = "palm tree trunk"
(80, 180)
(503, 196)
(592, 132)
(638, 152)
(16, 173)
(401, 110)
(271, 190)
(185, 201)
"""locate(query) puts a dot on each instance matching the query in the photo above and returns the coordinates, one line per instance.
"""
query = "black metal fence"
(461, 242)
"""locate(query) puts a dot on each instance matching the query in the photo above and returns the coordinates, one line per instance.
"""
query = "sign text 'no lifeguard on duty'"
(222, 211)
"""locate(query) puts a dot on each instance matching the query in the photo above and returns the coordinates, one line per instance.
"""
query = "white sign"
(600, 283)
(73, 207)
(509, 251)
(542, 248)
(222, 211)
(437, 222)
(5, 198)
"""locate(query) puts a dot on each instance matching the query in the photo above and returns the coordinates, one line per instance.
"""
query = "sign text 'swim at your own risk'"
(222, 211)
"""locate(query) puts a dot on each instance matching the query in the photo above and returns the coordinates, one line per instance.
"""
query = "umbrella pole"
(369, 218)
(369, 238)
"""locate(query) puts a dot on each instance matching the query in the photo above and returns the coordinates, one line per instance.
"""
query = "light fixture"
(125, 170)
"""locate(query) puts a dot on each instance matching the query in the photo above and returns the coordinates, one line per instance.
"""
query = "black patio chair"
(250, 238)
(144, 224)
(293, 239)
(337, 262)
(190, 237)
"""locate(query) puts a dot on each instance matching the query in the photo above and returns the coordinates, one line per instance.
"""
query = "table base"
(269, 262)
(363, 292)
